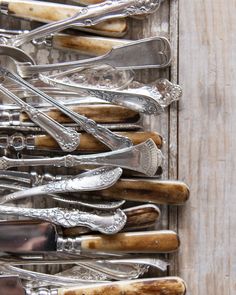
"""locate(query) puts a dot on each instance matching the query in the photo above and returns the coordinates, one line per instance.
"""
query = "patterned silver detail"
(144, 157)
(67, 138)
(96, 179)
(17, 141)
(143, 7)
(90, 15)
(104, 222)
(169, 92)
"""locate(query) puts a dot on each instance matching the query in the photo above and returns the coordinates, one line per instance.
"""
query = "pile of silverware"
(74, 148)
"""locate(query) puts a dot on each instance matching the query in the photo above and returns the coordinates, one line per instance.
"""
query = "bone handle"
(143, 190)
(49, 12)
(90, 144)
(133, 242)
(158, 286)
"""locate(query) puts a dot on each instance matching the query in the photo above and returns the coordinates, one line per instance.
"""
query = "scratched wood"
(165, 23)
(207, 145)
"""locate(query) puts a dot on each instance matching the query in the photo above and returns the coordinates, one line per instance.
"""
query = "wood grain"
(145, 190)
(101, 113)
(207, 67)
(133, 242)
(156, 286)
(90, 144)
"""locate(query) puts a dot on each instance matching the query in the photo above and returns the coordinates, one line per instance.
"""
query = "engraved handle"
(138, 217)
(67, 138)
(107, 137)
(144, 158)
(135, 242)
(92, 180)
(106, 223)
(160, 286)
(91, 15)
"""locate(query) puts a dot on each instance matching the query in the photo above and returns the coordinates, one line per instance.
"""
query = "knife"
(171, 192)
(88, 144)
(33, 237)
(11, 285)
(49, 12)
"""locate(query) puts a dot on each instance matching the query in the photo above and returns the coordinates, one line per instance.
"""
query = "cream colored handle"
(158, 286)
(49, 12)
(92, 46)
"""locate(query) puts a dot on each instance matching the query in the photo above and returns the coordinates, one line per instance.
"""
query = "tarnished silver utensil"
(144, 158)
(66, 137)
(88, 16)
(101, 221)
(96, 179)
(103, 134)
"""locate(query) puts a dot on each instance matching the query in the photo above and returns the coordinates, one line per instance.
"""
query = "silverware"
(144, 158)
(35, 238)
(103, 134)
(152, 52)
(67, 138)
(96, 179)
(74, 276)
(88, 16)
(161, 286)
(146, 99)
(106, 223)
(87, 45)
(48, 12)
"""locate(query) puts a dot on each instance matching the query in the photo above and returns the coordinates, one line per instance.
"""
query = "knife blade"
(12, 285)
(34, 237)
(48, 12)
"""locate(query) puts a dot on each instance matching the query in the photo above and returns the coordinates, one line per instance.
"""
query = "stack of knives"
(80, 177)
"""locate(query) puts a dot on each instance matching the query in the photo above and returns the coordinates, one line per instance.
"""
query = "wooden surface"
(200, 142)
(207, 145)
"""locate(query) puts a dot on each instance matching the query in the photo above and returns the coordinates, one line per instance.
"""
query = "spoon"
(154, 52)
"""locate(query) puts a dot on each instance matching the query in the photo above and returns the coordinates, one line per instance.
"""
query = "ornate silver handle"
(107, 223)
(150, 99)
(90, 15)
(67, 138)
(144, 157)
(96, 179)
(103, 134)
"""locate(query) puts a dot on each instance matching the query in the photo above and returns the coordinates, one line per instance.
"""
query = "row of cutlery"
(80, 175)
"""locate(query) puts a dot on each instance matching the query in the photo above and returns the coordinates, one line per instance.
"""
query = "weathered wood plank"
(207, 67)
